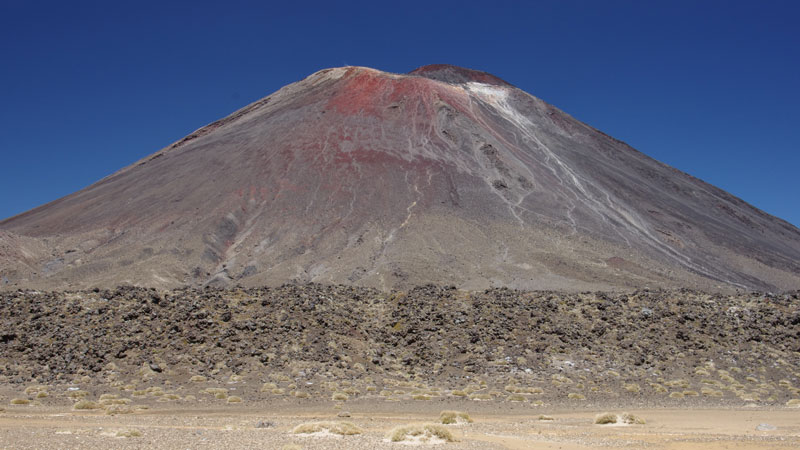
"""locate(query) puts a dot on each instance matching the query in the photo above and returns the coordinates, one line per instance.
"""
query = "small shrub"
(42, 394)
(458, 393)
(451, 417)
(198, 379)
(20, 401)
(576, 396)
(341, 428)
(676, 395)
(421, 433)
(605, 419)
(339, 396)
(234, 399)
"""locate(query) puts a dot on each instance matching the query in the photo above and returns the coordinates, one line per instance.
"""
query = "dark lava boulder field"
(313, 341)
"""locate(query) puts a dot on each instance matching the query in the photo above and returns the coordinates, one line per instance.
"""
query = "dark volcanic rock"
(442, 334)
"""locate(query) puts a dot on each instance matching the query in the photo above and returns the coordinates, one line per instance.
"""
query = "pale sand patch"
(50, 427)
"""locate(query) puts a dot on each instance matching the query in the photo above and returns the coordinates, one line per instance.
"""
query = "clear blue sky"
(709, 87)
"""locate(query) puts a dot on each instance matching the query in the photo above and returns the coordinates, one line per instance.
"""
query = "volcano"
(443, 175)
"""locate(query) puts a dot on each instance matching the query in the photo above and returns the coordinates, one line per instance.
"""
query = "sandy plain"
(494, 427)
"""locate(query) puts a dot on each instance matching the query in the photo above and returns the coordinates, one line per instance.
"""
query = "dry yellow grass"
(341, 428)
(129, 433)
(631, 419)
(451, 417)
(86, 404)
(339, 396)
(421, 433)
(20, 401)
(605, 419)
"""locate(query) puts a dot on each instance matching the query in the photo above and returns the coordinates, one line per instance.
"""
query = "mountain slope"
(444, 175)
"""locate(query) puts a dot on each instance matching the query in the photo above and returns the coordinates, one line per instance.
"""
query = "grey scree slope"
(444, 175)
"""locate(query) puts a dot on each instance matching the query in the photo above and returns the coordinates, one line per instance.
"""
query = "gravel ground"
(32, 427)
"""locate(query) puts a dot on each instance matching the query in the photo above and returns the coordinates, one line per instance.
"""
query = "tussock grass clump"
(426, 432)
(480, 397)
(451, 417)
(42, 394)
(339, 396)
(516, 398)
(631, 419)
(421, 397)
(576, 396)
(341, 428)
(32, 390)
(458, 393)
(633, 388)
(605, 419)
(708, 392)
(234, 399)
(77, 394)
(793, 402)
(676, 395)
(625, 418)
(546, 418)
(20, 401)
(129, 433)
(198, 379)
(86, 404)
(118, 409)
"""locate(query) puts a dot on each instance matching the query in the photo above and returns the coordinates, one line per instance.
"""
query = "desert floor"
(270, 427)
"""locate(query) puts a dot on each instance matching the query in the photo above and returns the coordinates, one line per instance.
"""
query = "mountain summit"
(444, 175)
